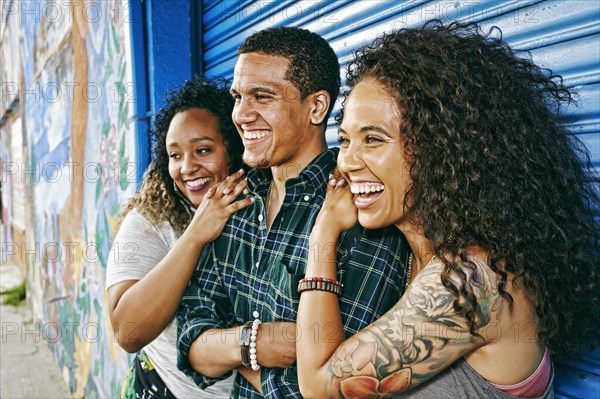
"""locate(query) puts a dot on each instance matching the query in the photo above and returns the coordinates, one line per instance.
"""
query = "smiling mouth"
(197, 184)
(256, 134)
(365, 194)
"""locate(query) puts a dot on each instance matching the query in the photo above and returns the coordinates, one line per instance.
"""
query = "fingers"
(337, 180)
(231, 182)
(211, 192)
(332, 181)
(226, 186)
(236, 190)
(237, 205)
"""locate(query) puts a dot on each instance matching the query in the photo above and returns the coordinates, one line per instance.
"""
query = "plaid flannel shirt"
(251, 268)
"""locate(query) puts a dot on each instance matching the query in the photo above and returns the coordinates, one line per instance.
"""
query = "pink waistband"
(535, 385)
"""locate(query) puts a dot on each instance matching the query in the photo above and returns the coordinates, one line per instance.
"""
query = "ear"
(320, 101)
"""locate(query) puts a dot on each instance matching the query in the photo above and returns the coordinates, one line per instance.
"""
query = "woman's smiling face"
(198, 157)
(372, 155)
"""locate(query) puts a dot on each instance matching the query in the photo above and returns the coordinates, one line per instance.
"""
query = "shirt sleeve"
(280, 383)
(138, 247)
(205, 305)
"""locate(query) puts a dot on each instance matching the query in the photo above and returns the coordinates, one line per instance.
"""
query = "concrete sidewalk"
(27, 367)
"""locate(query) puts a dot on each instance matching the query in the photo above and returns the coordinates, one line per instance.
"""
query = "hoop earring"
(177, 189)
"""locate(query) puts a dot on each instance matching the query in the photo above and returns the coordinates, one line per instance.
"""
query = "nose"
(188, 165)
(349, 159)
(243, 112)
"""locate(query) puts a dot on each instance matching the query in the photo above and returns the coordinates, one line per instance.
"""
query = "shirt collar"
(313, 178)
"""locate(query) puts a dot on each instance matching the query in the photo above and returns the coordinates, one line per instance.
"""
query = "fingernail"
(226, 191)
(252, 199)
(342, 183)
(246, 191)
(241, 171)
(331, 182)
(330, 176)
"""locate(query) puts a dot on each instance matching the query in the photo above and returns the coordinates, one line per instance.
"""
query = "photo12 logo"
(53, 252)
(63, 11)
(54, 92)
(53, 172)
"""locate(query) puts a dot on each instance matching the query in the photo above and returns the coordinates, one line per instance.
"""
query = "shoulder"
(443, 288)
(135, 220)
(139, 228)
(473, 270)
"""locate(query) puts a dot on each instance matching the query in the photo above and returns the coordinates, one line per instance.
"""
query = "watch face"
(245, 336)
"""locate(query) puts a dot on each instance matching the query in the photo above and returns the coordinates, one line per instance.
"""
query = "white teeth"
(366, 188)
(197, 182)
(363, 199)
(254, 135)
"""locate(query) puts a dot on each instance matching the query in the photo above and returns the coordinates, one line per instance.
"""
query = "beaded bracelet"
(254, 331)
(320, 284)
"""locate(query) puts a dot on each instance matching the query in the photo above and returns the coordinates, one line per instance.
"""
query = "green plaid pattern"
(249, 268)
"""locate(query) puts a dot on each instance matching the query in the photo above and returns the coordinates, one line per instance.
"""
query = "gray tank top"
(461, 381)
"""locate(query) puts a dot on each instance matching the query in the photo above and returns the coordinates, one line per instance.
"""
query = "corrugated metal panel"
(563, 36)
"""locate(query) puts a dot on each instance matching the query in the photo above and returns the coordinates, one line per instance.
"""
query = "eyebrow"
(192, 141)
(256, 89)
(369, 128)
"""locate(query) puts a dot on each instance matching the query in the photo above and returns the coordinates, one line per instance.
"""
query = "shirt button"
(260, 217)
(256, 264)
(306, 197)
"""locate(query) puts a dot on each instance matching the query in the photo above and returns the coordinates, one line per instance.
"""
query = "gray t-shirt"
(138, 247)
(460, 380)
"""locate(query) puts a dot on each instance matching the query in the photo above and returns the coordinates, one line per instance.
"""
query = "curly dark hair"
(494, 166)
(157, 198)
(313, 63)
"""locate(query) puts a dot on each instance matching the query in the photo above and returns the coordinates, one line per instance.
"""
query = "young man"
(285, 84)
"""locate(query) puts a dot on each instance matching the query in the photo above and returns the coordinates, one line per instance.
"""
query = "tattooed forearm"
(421, 336)
(354, 369)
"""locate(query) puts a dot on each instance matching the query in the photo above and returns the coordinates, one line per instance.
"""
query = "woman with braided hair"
(457, 141)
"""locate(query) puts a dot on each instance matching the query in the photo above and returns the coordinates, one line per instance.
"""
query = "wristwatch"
(245, 343)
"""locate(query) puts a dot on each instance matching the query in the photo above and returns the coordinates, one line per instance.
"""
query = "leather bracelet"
(320, 284)
(245, 343)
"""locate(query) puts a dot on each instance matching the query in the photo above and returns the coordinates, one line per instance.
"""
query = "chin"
(196, 198)
(195, 201)
(256, 162)
(372, 222)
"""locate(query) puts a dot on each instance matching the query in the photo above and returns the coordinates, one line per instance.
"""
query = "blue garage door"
(561, 35)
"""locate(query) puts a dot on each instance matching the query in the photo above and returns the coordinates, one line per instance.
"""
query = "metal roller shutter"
(563, 36)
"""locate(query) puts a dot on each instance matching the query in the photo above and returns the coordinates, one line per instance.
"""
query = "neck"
(291, 169)
(420, 246)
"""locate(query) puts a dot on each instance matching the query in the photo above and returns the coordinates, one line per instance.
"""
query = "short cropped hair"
(313, 64)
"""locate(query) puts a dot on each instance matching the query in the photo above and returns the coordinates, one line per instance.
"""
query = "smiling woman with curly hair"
(456, 140)
(184, 202)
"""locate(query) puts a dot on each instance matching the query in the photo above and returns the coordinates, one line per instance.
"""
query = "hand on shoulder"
(217, 206)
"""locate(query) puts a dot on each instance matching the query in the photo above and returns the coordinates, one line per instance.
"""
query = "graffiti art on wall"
(80, 144)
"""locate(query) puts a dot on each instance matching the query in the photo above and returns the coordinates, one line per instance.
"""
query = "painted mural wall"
(78, 167)
(10, 132)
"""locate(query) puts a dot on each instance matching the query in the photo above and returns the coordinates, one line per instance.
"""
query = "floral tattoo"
(419, 337)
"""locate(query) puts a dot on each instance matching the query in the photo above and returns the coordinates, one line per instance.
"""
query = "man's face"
(272, 121)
